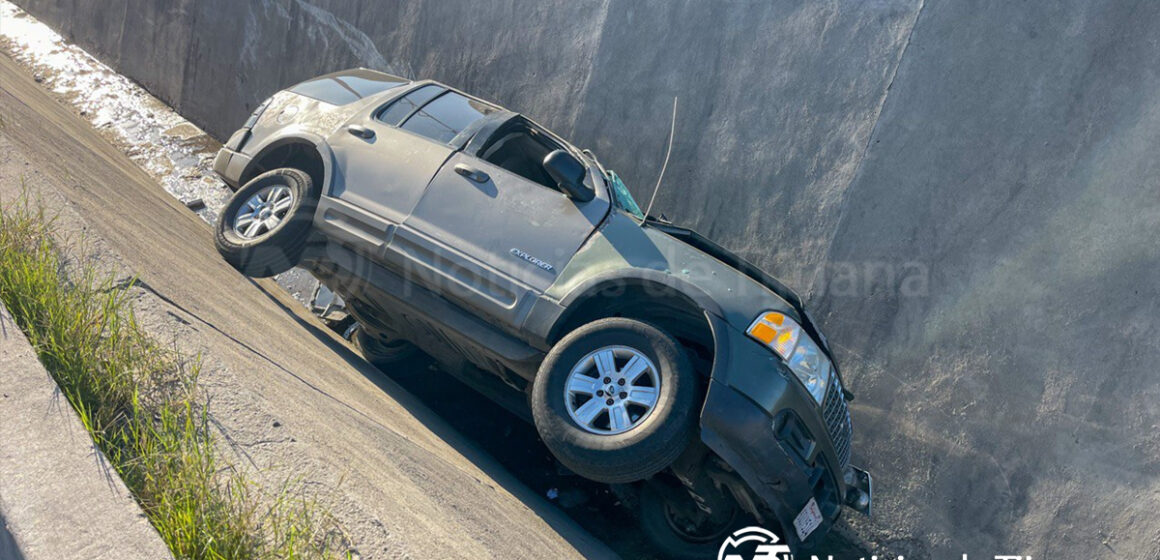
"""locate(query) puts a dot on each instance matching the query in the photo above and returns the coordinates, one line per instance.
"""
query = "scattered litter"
(553, 493)
(277, 424)
(195, 204)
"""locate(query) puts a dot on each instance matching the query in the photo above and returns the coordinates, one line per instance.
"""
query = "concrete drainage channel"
(178, 155)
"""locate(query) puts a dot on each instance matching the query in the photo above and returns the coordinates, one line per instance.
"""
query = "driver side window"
(521, 150)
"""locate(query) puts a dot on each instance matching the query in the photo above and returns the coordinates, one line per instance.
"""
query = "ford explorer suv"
(646, 355)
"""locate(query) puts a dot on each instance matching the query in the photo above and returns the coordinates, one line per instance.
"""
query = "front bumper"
(773, 434)
(229, 165)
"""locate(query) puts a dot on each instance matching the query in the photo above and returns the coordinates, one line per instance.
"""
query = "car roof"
(482, 131)
(348, 86)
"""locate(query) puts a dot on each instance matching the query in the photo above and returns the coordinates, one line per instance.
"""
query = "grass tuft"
(137, 400)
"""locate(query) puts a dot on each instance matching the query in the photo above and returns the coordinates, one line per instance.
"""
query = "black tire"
(346, 327)
(647, 447)
(279, 249)
(664, 529)
(383, 352)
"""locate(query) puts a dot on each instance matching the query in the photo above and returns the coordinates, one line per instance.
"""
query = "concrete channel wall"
(965, 192)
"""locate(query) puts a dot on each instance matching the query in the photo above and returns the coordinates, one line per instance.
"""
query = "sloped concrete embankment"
(966, 192)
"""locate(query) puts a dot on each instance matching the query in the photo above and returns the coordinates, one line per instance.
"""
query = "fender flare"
(547, 317)
(295, 135)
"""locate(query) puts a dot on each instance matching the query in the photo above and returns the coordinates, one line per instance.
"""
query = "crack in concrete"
(358, 42)
(844, 205)
(137, 282)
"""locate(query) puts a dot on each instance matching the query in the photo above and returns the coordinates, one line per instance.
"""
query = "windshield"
(621, 197)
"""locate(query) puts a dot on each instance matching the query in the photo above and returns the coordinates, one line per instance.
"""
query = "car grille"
(837, 417)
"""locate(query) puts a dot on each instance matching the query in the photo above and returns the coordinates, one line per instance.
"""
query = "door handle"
(361, 131)
(471, 173)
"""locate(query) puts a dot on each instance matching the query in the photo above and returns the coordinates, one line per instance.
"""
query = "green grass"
(138, 400)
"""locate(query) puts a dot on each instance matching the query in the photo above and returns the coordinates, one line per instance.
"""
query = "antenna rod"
(668, 152)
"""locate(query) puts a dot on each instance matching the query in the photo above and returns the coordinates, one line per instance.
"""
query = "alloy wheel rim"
(699, 528)
(612, 390)
(263, 212)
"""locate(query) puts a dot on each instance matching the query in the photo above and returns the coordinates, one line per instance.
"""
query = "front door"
(492, 239)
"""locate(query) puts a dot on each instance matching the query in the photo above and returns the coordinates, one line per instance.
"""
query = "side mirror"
(568, 172)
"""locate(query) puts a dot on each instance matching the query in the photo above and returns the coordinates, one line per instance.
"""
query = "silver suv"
(649, 357)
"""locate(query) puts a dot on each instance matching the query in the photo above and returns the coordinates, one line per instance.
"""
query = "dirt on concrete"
(288, 396)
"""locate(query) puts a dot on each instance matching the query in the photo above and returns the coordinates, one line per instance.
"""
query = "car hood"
(734, 261)
(722, 282)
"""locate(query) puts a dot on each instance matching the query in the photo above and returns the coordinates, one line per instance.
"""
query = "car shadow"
(507, 447)
(441, 425)
(8, 548)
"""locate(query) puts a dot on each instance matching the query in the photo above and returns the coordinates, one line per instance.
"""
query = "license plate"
(808, 520)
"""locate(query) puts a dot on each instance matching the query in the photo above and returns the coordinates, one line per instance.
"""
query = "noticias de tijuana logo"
(754, 543)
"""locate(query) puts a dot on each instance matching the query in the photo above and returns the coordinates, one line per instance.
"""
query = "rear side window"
(448, 115)
(399, 110)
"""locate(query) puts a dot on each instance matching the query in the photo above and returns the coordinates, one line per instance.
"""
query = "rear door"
(492, 240)
(380, 167)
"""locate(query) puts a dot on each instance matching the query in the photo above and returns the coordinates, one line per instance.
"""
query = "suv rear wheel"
(678, 528)
(263, 229)
(615, 400)
(381, 352)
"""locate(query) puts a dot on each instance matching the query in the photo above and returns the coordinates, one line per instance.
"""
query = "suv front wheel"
(615, 400)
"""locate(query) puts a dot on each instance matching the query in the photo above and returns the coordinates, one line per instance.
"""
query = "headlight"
(803, 356)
